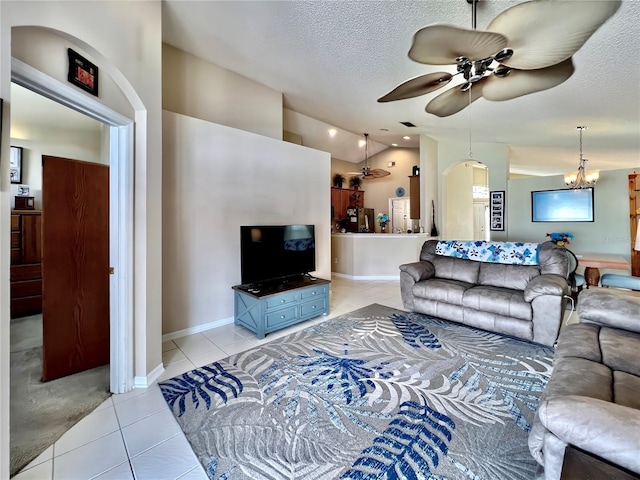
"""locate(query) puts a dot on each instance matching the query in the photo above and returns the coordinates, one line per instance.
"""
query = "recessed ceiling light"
(407, 137)
(361, 143)
(332, 132)
(394, 144)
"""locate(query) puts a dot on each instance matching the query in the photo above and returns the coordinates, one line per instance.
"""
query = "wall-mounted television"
(562, 205)
(274, 252)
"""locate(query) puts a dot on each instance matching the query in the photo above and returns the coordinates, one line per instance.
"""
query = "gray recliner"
(592, 400)
(524, 301)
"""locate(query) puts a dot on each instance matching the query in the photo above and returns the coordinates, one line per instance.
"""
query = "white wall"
(458, 195)
(217, 178)
(200, 89)
(609, 233)
(124, 40)
(83, 145)
(47, 51)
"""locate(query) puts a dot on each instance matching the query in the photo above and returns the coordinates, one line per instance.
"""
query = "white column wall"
(217, 178)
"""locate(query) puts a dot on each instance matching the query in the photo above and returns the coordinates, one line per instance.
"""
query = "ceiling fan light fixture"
(532, 44)
(368, 172)
(582, 178)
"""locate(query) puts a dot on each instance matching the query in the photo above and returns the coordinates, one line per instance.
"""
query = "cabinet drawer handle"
(313, 307)
(313, 293)
(281, 316)
(282, 301)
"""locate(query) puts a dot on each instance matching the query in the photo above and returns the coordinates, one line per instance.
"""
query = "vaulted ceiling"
(332, 60)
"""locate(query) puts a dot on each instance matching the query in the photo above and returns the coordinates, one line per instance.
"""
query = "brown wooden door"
(75, 266)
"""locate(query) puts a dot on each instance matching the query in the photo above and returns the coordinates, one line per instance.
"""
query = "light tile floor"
(135, 436)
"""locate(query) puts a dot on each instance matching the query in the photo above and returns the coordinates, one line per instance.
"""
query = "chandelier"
(582, 178)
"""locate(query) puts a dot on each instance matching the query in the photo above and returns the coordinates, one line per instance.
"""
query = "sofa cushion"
(577, 376)
(553, 259)
(507, 276)
(501, 301)
(579, 340)
(498, 323)
(626, 390)
(620, 350)
(441, 290)
(617, 308)
(456, 269)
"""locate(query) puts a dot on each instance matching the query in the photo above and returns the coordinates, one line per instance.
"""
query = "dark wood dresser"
(26, 262)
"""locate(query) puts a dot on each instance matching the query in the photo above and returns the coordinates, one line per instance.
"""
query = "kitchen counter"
(374, 256)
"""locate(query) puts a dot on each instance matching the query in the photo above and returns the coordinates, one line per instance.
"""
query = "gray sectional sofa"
(592, 400)
(524, 301)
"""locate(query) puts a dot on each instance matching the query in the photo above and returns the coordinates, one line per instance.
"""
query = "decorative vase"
(383, 229)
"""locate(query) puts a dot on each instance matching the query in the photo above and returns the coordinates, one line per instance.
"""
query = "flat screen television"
(562, 205)
(274, 252)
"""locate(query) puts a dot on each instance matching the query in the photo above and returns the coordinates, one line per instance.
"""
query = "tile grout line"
(126, 447)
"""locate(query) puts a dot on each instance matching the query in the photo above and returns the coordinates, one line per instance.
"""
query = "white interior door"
(400, 220)
(480, 215)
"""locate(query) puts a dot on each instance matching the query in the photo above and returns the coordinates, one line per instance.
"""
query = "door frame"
(121, 160)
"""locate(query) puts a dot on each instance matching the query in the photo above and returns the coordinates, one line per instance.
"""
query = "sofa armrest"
(611, 308)
(547, 284)
(419, 270)
(602, 428)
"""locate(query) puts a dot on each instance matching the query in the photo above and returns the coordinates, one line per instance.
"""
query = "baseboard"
(366, 277)
(197, 329)
(144, 382)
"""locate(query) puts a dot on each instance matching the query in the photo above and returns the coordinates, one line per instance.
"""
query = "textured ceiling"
(333, 59)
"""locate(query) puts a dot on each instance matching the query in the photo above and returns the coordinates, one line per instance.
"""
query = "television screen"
(270, 252)
(562, 205)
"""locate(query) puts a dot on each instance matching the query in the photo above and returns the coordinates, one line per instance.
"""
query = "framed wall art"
(82, 73)
(497, 210)
(15, 165)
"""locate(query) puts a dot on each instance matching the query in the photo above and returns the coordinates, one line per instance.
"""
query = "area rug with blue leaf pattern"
(377, 393)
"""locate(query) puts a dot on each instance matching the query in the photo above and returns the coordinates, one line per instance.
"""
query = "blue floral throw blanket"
(511, 253)
(374, 394)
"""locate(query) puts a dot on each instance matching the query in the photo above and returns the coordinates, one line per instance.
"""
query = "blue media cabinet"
(269, 308)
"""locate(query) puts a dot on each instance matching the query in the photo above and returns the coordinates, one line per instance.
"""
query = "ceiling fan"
(367, 171)
(526, 49)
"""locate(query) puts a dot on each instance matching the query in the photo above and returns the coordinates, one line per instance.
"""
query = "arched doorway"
(465, 201)
(120, 147)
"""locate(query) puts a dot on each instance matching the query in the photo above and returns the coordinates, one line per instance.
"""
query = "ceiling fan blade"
(454, 100)
(376, 173)
(524, 82)
(545, 33)
(443, 44)
(417, 86)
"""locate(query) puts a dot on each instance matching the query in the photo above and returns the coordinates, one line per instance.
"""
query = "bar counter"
(374, 256)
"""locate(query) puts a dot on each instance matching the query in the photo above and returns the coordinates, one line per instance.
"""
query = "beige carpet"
(42, 412)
